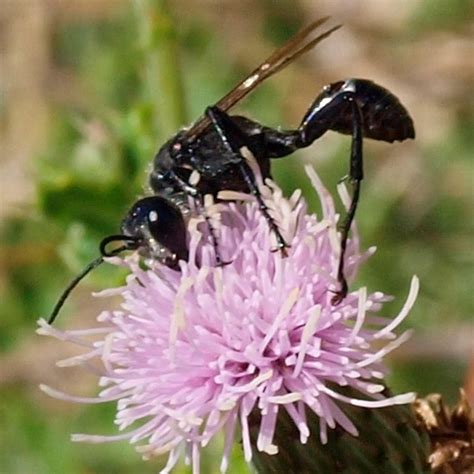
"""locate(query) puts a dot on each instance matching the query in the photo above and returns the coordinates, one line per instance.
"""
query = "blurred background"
(89, 89)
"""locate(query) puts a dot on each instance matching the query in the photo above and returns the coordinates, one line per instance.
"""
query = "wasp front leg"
(234, 139)
(198, 198)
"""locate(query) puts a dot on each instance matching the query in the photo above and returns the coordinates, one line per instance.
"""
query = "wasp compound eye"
(159, 224)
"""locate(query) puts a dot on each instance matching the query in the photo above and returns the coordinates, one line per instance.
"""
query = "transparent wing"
(291, 50)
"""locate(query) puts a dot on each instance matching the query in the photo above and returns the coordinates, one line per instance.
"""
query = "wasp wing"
(291, 50)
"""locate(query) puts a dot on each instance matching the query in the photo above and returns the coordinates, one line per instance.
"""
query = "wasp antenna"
(131, 244)
(94, 264)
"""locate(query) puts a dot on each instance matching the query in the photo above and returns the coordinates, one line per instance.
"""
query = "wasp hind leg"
(321, 117)
(316, 122)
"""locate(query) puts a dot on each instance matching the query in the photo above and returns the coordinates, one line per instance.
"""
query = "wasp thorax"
(159, 224)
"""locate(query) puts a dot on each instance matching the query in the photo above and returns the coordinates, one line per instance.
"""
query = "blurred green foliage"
(95, 165)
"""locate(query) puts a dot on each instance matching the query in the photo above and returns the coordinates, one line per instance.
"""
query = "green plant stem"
(389, 442)
(164, 83)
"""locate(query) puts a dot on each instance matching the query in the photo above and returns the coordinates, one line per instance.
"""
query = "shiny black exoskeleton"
(212, 147)
(357, 107)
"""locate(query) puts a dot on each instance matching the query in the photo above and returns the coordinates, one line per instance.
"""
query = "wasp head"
(158, 227)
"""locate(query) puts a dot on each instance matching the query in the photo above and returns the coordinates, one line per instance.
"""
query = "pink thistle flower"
(193, 353)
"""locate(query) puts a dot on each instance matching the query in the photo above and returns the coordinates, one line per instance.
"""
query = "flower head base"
(193, 353)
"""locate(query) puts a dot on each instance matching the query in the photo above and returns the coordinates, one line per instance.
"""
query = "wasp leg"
(356, 174)
(318, 120)
(234, 139)
(212, 231)
(314, 124)
(198, 198)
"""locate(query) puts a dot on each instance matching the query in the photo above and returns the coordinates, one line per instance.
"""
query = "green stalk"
(390, 441)
(164, 83)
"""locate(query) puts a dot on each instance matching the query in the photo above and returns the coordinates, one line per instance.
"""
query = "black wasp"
(212, 146)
